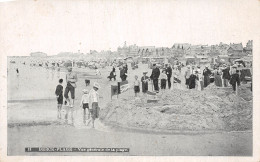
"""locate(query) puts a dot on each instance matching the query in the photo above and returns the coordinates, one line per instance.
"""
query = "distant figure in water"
(59, 96)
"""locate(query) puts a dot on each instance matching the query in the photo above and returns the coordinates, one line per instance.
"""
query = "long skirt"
(218, 81)
(206, 81)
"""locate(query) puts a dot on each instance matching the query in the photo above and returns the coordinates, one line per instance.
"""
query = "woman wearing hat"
(206, 74)
(217, 77)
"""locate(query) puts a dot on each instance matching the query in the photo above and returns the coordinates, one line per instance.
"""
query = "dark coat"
(122, 74)
(235, 79)
(226, 74)
(144, 84)
(155, 74)
(169, 72)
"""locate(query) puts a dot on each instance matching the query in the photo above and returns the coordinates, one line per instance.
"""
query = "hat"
(96, 85)
(85, 91)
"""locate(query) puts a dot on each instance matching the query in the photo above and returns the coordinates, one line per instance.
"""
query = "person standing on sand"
(122, 73)
(71, 79)
(93, 102)
(163, 78)
(206, 74)
(225, 75)
(154, 76)
(59, 96)
(85, 104)
(217, 77)
(187, 76)
(136, 85)
(144, 81)
(235, 80)
(169, 74)
(17, 72)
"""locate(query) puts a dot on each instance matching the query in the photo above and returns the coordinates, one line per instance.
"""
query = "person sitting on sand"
(59, 96)
(112, 74)
(93, 102)
(85, 104)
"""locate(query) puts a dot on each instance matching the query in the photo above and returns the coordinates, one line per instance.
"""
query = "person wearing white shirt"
(93, 102)
(85, 104)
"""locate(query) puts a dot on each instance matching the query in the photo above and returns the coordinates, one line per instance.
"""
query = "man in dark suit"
(235, 80)
(154, 76)
(122, 74)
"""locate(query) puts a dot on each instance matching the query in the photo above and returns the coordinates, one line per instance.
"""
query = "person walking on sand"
(71, 79)
(59, 96)
(93, 102)
(85, 105)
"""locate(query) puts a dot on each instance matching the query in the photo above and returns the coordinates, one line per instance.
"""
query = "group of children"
(89, 102)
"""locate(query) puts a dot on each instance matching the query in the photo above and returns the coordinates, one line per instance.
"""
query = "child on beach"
(144, 81)
(59, 96)
(163, 78)
(85, 104)
(136, 85)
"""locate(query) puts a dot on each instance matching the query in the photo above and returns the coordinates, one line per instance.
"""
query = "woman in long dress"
(217, 77)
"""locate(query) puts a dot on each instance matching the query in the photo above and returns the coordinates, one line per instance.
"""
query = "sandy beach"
(32, 121)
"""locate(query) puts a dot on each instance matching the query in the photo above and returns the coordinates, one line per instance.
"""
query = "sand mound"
(183, 110)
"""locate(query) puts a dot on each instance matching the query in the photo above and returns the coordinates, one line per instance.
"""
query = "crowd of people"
(195, 78)
(221, 76)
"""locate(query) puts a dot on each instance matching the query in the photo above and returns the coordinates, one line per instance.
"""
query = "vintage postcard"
(144, 80)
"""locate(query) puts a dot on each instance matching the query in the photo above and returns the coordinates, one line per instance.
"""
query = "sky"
(68, 26)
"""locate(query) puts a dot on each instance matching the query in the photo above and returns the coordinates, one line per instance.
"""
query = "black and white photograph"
(129, 78)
